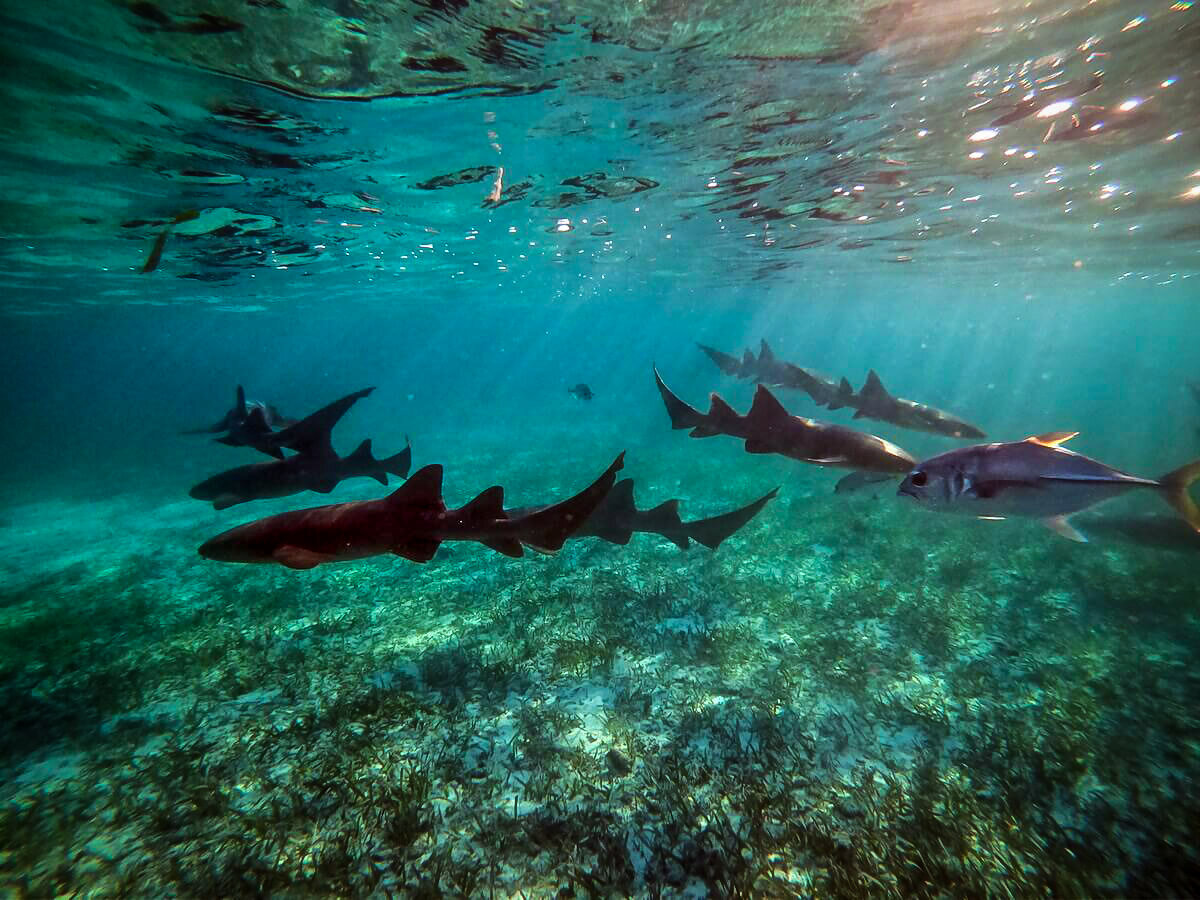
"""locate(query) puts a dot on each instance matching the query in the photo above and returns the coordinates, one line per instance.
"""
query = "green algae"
(946, 712)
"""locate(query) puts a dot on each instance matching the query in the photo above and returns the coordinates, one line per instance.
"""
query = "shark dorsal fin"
(240, 404)
(1051, 438)
(619, 500)
(486, 507)
(764, 353)
(766, 408)
(873, 384)
(423, 490)
(719, 409)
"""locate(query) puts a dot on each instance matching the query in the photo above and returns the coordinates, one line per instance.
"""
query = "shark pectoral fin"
(1052, 438)
(298, 557)
(417, 549)
(507, 546)
(703, 431)
(1060, 525)
(227, 500)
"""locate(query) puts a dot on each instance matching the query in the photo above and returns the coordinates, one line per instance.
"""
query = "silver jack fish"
(1036, 478)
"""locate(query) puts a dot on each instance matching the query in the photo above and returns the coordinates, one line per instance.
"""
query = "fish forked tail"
(712, 531)
(548, 528)
(1176, 486)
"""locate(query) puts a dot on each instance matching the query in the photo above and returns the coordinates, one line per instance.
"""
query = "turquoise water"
(850, 696)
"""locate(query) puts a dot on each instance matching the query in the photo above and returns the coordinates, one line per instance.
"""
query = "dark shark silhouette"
(617, 519)
(309, 435)
(238, 414)
(872, 402)
(769, 428)
(412, 522)
(312, 471)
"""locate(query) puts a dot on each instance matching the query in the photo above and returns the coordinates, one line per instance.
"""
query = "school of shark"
(1035, 477)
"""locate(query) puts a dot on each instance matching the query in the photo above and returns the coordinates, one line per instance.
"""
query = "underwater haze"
(908, 223)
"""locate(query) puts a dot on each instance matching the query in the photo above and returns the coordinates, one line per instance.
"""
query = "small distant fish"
(582, 391)
(1036, 478)
(161, 241)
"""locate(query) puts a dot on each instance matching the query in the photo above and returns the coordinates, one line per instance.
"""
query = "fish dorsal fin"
(1051, 438)
(766, 408)
(486, 507)
(764, 353)
(423, 490)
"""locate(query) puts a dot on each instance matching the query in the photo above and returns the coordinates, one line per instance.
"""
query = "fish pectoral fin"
(1060, 525)
(507, 546)
(1051, 438)
(299, 558)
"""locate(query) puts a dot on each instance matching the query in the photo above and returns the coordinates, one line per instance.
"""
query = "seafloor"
(849, 698)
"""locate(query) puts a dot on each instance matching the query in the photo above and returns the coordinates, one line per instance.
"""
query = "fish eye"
(919, 479)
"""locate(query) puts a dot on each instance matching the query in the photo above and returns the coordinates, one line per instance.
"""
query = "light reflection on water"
(1050, 139)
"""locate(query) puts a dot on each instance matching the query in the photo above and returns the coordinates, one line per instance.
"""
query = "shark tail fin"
(1176, 487)
(682, 415)
(364, 460)
(312, 433)
(712, 531)
(399, 463)
(723, 361)
(549, 527)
